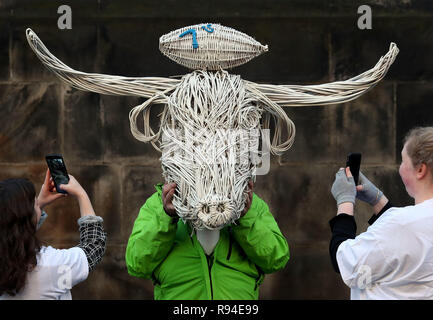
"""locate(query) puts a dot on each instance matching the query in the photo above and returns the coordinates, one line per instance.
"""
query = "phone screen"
(58, 171)
(354, 163)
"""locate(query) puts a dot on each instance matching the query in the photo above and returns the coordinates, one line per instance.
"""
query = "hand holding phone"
(46, 195)
(354, 163)
(58, 171)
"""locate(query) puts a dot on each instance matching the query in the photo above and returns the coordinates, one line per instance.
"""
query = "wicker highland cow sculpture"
(212, 120)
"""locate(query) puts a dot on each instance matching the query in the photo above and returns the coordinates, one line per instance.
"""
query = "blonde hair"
(419, 146)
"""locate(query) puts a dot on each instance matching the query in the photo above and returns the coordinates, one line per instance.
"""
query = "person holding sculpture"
(200, 264)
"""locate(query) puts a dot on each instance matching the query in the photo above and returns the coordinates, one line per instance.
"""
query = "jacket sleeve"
(343, 227)
(92, 239)
(384, 250)
(258, 234)
(151, 238)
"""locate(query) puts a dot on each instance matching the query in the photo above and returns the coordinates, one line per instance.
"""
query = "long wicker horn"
(99, 83)
(328, 93)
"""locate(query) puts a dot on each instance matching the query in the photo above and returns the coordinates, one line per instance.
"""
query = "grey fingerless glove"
(369, 193)
(343, 189)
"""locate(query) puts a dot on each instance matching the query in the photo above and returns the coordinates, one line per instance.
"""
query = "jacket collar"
(158, 187)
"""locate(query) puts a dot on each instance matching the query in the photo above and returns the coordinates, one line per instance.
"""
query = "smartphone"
(57, 167)
(354, 163)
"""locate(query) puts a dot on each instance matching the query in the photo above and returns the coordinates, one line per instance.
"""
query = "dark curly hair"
(18, 242)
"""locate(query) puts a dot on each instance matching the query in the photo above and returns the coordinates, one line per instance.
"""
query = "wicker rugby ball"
(210, 46)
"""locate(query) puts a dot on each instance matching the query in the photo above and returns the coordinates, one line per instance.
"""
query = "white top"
(393, 259)
(57, 271)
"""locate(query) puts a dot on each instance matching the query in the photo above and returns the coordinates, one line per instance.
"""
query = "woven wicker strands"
(211, 122)
(209, 47)
(100, 83)
(328, 93)
(211, 128)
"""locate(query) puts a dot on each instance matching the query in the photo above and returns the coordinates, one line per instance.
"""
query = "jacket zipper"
(209, 265)
(229, 254)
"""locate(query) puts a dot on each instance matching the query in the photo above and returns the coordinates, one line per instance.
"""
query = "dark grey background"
(310, 42)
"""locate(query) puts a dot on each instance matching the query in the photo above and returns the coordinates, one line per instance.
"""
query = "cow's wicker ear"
(210, 47)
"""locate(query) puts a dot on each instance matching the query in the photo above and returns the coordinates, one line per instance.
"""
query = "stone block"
(101, 184)
(355, 51)
(118, 141)
(307, 275)
(138, 186)
(83, 139)
(261, 9)
(315, 141)
(414, 104)
(132, 49)
(366, 125)
(77, 48)
(4, 51)
(35, 172)
(290, 58)
(29, 122)
(138, 54)
(48, 9)
(300, 199)
(327, 134)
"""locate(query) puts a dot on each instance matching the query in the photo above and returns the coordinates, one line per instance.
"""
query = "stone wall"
(310, 42)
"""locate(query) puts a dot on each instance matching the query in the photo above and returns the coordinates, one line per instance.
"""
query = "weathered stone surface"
(35, 172)
(76, 48)
(355, 51)
(83, 139)
(289, 58)
(118, 141)
(414, 109)
(299, 197)
(109, 9)
(366, 125)
(29, 122)
(4, 51)
(48, 9)
(101, 184)
(136, 54)
(308, 275)
(329, 133)
(138, 186)
(263, 9)
(314, 140)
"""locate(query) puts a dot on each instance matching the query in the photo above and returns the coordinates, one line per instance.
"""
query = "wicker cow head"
(212, 121)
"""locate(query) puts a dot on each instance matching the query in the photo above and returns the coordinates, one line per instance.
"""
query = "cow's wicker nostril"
(214, 212)
(205, 209)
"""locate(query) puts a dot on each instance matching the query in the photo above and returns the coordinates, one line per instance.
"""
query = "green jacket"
(169, 253)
